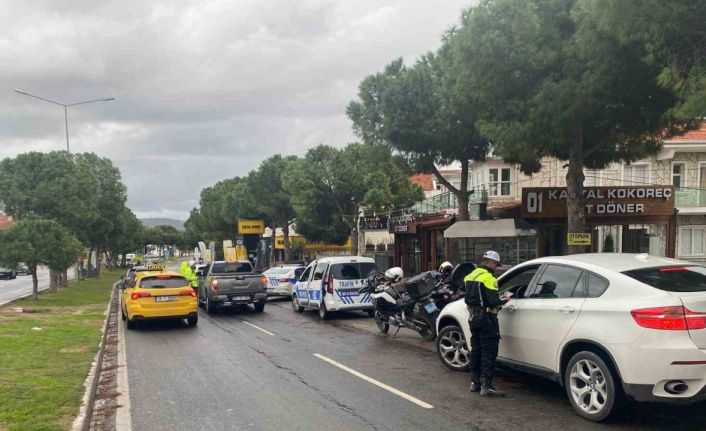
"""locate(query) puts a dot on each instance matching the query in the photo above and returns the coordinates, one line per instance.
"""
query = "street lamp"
(66, 106)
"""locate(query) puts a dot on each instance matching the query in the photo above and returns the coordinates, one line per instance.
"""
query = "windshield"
(163, 282)
(231, 267)
(690, 278)
(351, 271)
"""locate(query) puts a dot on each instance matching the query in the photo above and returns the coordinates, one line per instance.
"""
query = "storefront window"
(512, 250)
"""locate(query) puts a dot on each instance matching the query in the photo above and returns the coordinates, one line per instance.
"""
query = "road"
(22, 285)
(240, 370)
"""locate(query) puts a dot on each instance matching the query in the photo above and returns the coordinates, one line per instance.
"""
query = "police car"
(333, 284)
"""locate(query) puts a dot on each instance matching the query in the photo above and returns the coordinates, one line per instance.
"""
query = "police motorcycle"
(413, 309)
(451, 286)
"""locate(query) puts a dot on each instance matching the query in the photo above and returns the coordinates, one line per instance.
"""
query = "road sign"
(578, 239)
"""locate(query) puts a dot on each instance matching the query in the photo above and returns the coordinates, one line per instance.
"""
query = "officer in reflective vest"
(189, 274)
(484, 302)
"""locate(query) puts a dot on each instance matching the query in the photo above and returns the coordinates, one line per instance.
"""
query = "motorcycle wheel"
(383, 326)
(428, 333)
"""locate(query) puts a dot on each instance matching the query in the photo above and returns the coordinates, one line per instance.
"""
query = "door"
(548, 313)
(128, 288)
(313, 288)
(300, 286)
(517, 282)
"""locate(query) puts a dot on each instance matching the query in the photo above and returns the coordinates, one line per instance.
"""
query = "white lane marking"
(377, 383)
(123, 419)
(258, 328)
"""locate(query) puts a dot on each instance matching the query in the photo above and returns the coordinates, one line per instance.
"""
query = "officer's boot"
(488, 390)
(475, 383)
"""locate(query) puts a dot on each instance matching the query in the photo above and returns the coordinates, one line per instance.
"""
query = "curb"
(83, 420)
(29, 295)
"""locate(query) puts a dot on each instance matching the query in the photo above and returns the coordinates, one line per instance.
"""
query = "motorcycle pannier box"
(420, 285)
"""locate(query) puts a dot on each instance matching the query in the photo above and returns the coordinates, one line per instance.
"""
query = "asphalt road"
(229, 375)
(22, 285)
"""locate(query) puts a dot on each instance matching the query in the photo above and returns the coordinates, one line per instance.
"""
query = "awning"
(505, 227)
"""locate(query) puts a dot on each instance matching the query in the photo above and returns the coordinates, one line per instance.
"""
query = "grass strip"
(46, 353)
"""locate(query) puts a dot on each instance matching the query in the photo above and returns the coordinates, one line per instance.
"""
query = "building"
(6, 222)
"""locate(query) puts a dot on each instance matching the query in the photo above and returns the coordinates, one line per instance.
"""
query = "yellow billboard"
(251, 226)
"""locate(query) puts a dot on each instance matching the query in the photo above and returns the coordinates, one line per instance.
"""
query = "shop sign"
(373, 222)
(250, 226)
(550, 202)
(578, 239)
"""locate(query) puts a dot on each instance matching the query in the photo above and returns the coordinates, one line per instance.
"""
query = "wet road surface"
(280, 370)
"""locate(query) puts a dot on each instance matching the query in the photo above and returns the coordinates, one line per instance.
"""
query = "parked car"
(279, 279)
(333, 284)
(607, 327)
(7, 274)
(158, 295)
(23, 269)
(231, 284)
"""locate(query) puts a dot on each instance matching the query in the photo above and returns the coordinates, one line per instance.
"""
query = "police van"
(333, 284)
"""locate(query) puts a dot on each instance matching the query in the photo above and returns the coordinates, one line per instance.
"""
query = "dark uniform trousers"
(484, 348)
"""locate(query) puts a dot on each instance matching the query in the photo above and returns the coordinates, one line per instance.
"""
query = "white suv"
(604, 326)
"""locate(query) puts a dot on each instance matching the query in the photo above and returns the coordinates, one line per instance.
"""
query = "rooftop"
(696, 135)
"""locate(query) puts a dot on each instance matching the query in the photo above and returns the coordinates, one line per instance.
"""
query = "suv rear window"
(351, 271)
(163, 282)
(690, 278)
(231, 267)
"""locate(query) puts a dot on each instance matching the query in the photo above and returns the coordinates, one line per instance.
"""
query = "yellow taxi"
(158, 294)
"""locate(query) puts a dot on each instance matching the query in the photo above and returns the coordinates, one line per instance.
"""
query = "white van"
(333, 284)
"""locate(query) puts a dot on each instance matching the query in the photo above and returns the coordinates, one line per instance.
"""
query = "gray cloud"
(205, 89)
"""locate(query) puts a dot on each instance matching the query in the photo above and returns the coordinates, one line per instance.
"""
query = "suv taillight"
(329, 285)
(263, 279)
(214, 285)
(137, 295)
(674, 318)
(189, 292)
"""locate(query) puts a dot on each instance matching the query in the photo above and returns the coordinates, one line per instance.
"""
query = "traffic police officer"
(483, 303)
(187, 272)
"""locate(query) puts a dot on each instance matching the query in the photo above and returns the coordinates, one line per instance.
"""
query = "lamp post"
(66, 107)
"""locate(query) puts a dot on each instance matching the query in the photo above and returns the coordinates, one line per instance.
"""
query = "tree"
(39, 242)
(414, 111)
(550, 83)
(273, 200)
(674, 40)
(127, 236)
(330, 186)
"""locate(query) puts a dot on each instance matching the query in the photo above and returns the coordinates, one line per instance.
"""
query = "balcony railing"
(447, 201)
(689, 197)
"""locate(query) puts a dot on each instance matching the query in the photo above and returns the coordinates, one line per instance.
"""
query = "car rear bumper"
(647, 393)
(230, 299)
(184, 316)
(279, 291)
(176, 310)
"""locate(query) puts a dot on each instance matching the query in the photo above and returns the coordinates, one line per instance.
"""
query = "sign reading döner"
(550, 202)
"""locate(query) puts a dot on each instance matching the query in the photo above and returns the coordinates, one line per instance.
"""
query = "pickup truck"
(231, 284)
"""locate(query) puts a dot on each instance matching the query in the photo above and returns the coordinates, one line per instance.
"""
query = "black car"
(7, 274)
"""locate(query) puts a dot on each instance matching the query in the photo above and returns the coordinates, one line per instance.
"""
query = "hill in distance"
(151, 222)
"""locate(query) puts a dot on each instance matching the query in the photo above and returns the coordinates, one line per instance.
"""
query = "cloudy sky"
(205, 89)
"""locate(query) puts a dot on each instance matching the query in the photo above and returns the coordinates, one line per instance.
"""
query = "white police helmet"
(395, 274)
(492, 255)
(446, 267)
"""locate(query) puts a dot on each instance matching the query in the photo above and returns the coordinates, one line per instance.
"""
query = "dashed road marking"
(258, 328)
(377, 383)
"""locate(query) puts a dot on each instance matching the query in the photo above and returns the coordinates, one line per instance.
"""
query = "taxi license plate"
(241, 298)
(165, 298)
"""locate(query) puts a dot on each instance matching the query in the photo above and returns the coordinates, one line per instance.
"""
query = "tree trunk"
(98, 261)
(354, 241)
(124, 260)
(35, 284)
(65, 278)
(287, 245)
(575, 200)
(461, 193)
(53, 280)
